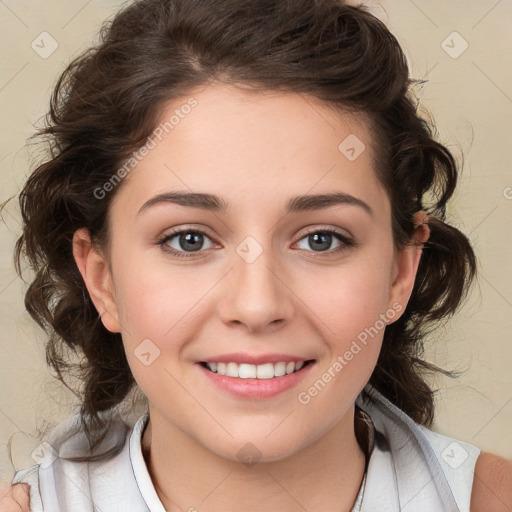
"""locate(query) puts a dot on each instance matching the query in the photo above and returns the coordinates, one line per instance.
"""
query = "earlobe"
(407, 262)
(97, 277)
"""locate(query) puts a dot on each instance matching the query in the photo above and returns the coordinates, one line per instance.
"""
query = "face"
(253, 282)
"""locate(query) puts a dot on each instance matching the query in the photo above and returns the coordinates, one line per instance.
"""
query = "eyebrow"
(297, 204)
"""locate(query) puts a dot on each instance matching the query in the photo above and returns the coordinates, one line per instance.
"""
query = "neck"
(326, 475)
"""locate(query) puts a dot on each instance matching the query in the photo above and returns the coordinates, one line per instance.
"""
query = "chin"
(252, 447)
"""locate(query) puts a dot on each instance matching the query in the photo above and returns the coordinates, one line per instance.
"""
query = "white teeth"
(265, 371)
(221, 368)
(280, 369)
(290, 368)
(247, 371)
(232, 370)
(252, 371)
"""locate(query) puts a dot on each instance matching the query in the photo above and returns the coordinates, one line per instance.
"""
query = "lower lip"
(256, 388)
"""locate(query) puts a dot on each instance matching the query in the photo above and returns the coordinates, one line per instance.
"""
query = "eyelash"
(346, 242)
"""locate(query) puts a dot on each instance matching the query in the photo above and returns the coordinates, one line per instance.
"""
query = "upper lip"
(256, 359)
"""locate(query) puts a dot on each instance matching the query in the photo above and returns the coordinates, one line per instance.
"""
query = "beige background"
(470, 97)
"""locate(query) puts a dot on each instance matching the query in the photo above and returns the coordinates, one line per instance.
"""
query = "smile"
(255, 381)
(252, 371)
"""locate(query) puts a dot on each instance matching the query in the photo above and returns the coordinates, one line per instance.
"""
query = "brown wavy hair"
(107, 102)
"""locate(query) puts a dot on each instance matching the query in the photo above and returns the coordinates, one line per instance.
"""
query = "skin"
(244, 147)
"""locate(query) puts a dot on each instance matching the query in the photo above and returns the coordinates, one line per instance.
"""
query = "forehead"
(255, 146)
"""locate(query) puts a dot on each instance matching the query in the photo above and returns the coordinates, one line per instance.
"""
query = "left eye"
(321, 240)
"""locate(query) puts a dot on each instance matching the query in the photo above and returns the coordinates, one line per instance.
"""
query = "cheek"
(350, 304)
(352, 327)
(154, 299)
(152, 307)
(349, 298)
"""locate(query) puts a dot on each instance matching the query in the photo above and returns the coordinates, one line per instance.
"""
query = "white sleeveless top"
(409, 468)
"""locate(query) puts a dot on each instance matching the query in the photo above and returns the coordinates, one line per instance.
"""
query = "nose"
(256, 294)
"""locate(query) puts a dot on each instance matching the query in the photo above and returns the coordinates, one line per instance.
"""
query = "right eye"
(183, 243)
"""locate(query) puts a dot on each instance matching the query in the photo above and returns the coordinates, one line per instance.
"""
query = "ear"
(407, 261)
(97, 276)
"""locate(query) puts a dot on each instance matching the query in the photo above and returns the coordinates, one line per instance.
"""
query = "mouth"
(255, 381)
(252, 371)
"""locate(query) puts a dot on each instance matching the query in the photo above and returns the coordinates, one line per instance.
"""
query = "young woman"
(243, 216)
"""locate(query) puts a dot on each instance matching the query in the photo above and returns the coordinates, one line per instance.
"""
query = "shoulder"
(62, 461)
(25, 483)
(68, 474)
(492, 484)
(15, 498)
